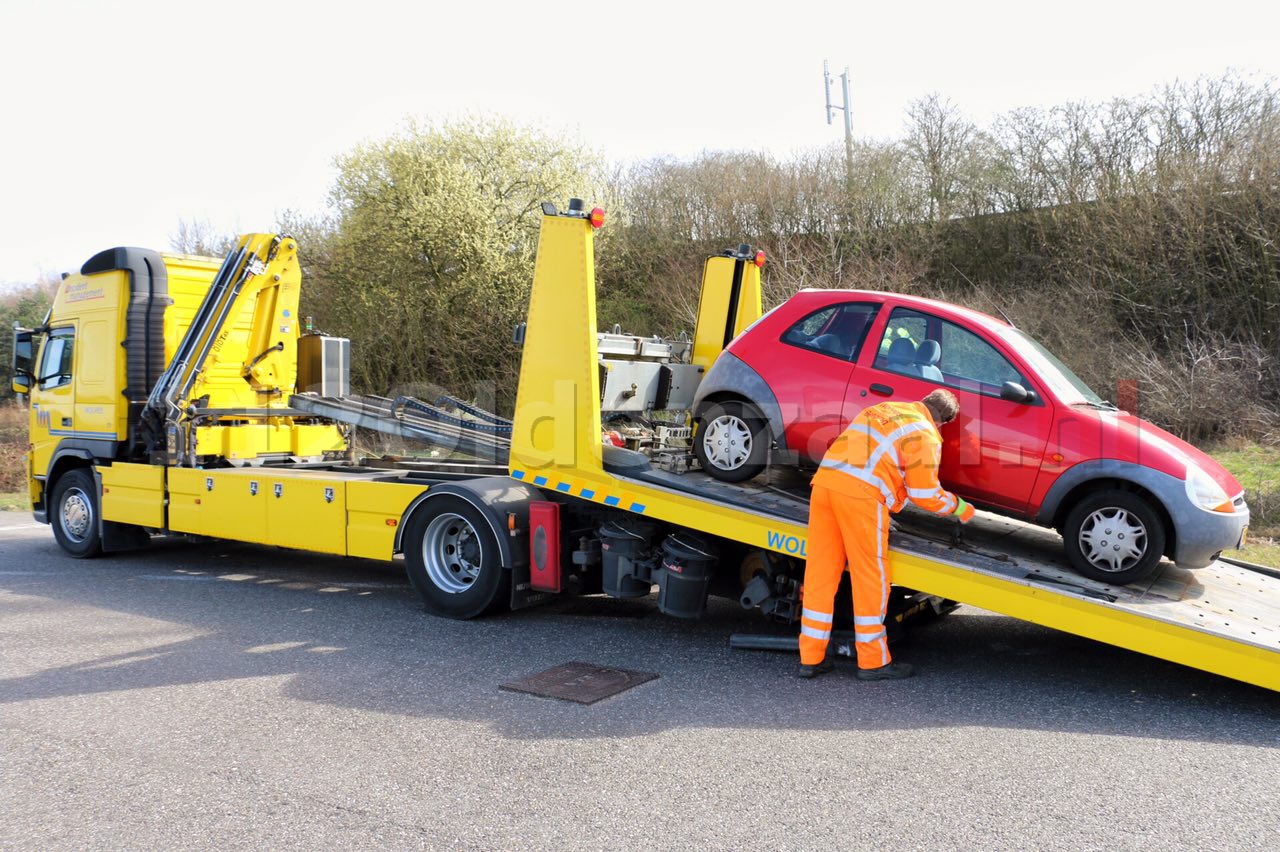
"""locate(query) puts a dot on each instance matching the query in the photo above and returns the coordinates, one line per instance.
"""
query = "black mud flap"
(118, 537)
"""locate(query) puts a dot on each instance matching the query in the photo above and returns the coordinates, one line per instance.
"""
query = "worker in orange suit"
(888, 455)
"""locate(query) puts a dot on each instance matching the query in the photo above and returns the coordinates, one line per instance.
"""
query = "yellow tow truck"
(173, 396)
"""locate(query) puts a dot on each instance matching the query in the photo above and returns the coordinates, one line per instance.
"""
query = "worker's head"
(943, 406)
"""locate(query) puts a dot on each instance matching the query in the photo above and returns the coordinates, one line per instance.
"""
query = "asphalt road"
(234, 696)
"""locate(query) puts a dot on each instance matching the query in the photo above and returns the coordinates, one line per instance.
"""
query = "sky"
(117, 119)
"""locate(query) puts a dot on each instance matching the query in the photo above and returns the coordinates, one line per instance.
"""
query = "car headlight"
(1205, 493)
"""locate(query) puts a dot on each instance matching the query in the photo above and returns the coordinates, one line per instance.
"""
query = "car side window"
(837, 330)
(57, 358)
(967, 358)
(937, 350)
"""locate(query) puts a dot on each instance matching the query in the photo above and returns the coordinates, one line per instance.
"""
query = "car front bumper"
(1202, 535)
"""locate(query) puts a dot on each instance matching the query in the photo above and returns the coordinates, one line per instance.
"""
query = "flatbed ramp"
(1223, 619)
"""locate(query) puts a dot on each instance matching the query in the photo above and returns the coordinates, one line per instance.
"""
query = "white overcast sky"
(119, 118)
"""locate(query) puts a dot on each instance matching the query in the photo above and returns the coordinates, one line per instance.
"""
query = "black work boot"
(815, 670)
(893, 671)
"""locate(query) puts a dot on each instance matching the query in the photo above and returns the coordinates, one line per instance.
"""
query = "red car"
(1032, 440)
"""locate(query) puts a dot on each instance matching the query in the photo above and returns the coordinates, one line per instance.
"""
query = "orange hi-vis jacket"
(892, 449)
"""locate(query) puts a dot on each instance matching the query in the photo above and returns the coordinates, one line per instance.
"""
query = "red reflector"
(391, 522)
(759, 259)
(544, 546)
(597, 217)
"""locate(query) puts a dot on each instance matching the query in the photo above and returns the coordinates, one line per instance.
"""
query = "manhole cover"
(584, 683)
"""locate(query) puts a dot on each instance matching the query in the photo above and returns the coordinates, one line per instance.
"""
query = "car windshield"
(1067, 385)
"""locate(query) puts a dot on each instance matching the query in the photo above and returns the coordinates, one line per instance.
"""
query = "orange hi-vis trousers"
(853, 530)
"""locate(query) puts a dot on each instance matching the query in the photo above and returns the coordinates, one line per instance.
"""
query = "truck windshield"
(1067, 385)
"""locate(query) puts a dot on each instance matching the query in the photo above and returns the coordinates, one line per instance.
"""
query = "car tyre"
(1114, 537)
(731, 441)
(74, 514)
(453, 560)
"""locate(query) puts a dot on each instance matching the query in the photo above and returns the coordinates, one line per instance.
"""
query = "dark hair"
(943, 405)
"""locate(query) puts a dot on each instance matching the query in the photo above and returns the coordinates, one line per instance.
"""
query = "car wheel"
(74, 515)
(453, 560)
(732, 441)
(1114, 537)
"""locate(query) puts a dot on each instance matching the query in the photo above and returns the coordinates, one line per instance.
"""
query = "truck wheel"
(453, 559)
(74, 514)
(1115, 537)
(732, 441)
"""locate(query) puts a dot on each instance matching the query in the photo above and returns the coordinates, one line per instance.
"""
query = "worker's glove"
(963, 510)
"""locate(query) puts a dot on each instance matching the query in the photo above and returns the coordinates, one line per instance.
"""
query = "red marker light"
(597, 217)
(759, 259)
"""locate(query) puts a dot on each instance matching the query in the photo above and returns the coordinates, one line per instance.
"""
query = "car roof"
(924, 304)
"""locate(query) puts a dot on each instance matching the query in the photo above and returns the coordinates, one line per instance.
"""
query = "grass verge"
(1258, 469)
(15, 502)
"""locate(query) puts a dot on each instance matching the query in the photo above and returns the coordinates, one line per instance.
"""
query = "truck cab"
(112, 332)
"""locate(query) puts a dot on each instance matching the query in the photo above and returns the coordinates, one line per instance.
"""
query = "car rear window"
(836, 330)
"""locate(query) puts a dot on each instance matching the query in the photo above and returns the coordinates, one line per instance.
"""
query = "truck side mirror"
(23, 359)
(1014, 392)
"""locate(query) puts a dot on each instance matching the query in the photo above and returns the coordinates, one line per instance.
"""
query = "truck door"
(53, 398)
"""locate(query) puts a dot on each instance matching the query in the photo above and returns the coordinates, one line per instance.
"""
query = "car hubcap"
(1113, 539)
(727, 442)
(451, 553)
(77, 515)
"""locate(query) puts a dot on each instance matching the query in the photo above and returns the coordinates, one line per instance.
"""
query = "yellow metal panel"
(307, 510)
(278, 435)
(234, 505)
(186, 499)
(133, 494)
(713, 306)
(315, 440)
(374, 512)
(557, 421)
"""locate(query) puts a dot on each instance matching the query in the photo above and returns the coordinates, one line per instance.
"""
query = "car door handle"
(881, 390)
(66, 421)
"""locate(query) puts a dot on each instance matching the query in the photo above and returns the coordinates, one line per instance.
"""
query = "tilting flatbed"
(1224, 618)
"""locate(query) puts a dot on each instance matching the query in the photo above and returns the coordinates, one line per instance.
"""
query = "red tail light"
(759, 259)
(597, 217)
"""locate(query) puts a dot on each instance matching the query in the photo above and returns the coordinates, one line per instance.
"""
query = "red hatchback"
(1032, 440)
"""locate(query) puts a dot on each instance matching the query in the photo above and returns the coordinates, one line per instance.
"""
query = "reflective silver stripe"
(888, 444)
(946, 498)
(867, 620)
(806, 630)
(813, 615)
(863, 476)
(871, 637)
(884, 582)
(926, 493)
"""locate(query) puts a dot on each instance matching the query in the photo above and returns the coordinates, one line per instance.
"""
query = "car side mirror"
(22, 384)
(1014, 392)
